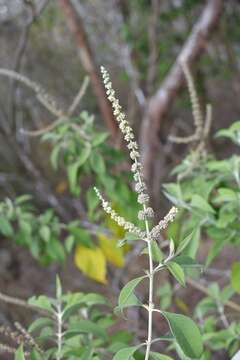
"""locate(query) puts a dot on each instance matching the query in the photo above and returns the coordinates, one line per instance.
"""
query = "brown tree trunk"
(75, 24)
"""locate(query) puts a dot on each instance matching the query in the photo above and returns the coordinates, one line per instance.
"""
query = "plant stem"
(151, 278)
(150, 295)
(59, 331)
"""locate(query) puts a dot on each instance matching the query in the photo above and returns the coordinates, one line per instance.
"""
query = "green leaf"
(217, 247)
(58, 288)
(126, 353)
(35, 355)
(176, 271)
(39, 323)
(225, 195)
(5, 227)
(165, 294)
(19, 355)
(94, 299)
(85, 327)
(69, 243)
(72, 172)
(92, 201)
(81, 236)
(22, 199)
(87, 354)
(99, 138)
(97, 163)
(187, 261)
(235, 276)
(126, 297)
(174, 194)
(41, 301)
(84, 155)
(156, 252)
(45, 232)
(157, 356)
(192, 247)
(202, 204)
(186, 333)
(131, 237)
(227, 293)
(55, 250)
(183, 244)
(55, 155)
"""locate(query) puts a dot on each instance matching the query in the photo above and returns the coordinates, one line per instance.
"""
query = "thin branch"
(76, 26)
(22, 303)
(153, 44)
(204, 290)
(34, 14)
(79, 96)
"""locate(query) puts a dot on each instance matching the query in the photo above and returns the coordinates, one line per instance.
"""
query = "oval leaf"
(126, 354)
(126, 294)
(86, 327)
(186, 333)
(235, 276)
(157, 356)
(92, 262)
(176, 271)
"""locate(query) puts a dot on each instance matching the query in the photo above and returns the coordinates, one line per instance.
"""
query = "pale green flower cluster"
(140, 187)
(163, 224)
(127, 225)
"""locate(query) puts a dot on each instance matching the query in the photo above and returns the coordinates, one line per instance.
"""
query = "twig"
(203, 289)
(22, 303)
(34, 15)
(76, 26)
(79, 96)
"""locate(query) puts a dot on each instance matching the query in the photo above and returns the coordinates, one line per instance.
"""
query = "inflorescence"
(140, 187)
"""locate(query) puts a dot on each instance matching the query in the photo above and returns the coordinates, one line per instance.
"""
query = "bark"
(160, 102)
(75, 25)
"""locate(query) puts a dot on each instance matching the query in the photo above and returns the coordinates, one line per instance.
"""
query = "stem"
(151, 278)
(59, 331)
(150, 296)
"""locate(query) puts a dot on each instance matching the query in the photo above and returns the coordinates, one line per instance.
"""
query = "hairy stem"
(59, 331)
(150, 295)
(151, 278)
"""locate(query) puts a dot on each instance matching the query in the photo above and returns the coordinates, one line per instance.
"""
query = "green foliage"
(84, 321)
(83, 153)
(20, 222)
(209, 197)
(208, 311)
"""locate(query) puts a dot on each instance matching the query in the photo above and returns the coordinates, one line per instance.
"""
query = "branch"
(161, 101)
(22, 303)
(75, 25)
(34, 14)
(198, 286)
(153, 44)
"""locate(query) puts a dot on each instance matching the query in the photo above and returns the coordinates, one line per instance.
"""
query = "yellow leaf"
(114, 254)
(92, 262)
(61, 187)
(182, 305)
